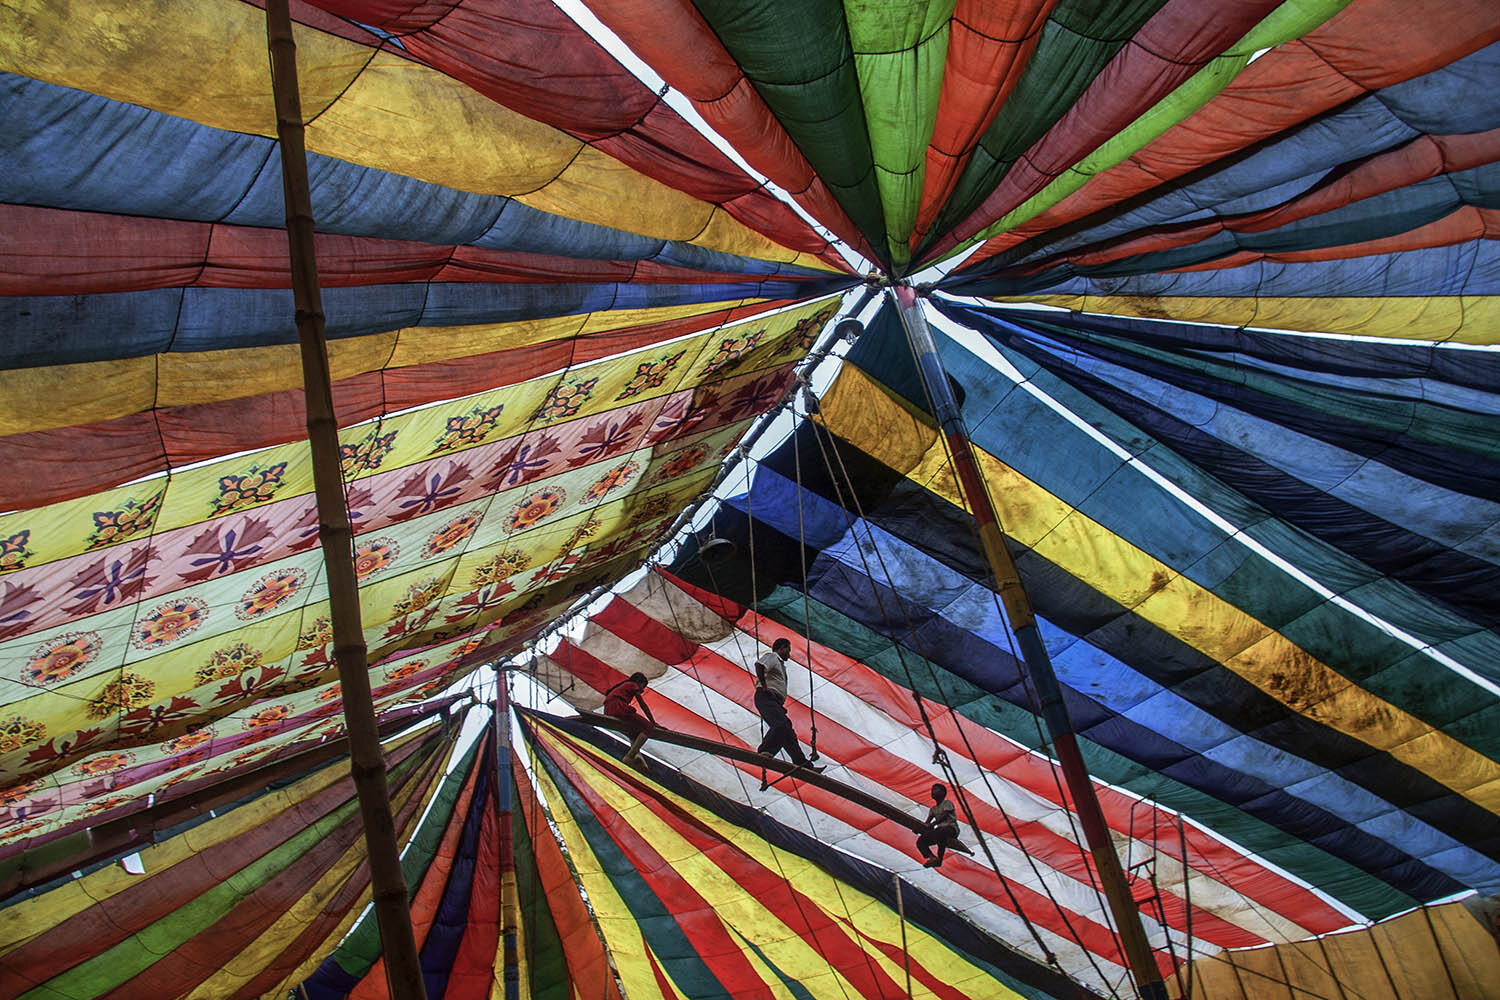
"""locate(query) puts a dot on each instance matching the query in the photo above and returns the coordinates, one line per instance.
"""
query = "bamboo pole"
(508, 907)
(1138, 956)
(366, 761)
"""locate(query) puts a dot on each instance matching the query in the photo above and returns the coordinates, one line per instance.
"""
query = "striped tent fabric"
(693, 904)
(1214, 282)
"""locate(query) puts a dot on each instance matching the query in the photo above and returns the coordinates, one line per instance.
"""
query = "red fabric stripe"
(1288, 85)
(694, 916)
(1013, 764)
(111, 920)
(1423, 158)
(111, 452)
(1174, 44)
(315, 936)
(58, 252)
(824, 930)
(531, 57)
(672, 37)
(988, 47)
(588, 965)
(429, 895)
(477, 966)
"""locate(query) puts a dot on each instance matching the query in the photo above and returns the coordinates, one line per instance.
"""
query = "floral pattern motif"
(565, 399)
(534, 508)
(19, 793)
(802, 336)
(17, 731)
(62, 658)
(368, 455)
(231, 661)
(451, 534)
(13, 551)
(468, 429)
(134, 518)
(506, 564)
(249, 489)
(375, 556)
(188, 740)
(320, 634)
(267, 717)
(684, 461)
(407, 669)
(169, 622)
(650, 374)
(731, 349)
(269, 593)
(419, 596)
(612, 480)
(102, 764)
(131, 691)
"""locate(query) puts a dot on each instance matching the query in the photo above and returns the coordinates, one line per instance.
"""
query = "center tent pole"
(1138, 955)
(366, 759)
(511, 971)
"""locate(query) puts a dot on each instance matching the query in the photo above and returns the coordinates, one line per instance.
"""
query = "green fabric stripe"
(797, 56)
(1292, 19)
(361, 947)
(545, 962)
(110, 968)
(1136, 510)
(900, 50)
(1412, 417)
(1337, 878)
(673, 946)
(1078, 39)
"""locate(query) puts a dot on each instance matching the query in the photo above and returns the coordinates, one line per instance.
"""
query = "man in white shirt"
(770, 702)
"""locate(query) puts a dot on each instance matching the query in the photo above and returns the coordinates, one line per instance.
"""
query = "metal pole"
(1148, 978)
(367, 762)
(508, 907)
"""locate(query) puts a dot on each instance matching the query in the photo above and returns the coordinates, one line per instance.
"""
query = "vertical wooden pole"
(901, 915)
(1138, 956)
(508, 892)
(367, 762)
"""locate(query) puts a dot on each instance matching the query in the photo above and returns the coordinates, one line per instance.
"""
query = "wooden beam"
(367, 764)
(857, 796)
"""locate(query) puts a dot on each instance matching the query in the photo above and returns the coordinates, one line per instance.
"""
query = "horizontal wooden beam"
(857, 796)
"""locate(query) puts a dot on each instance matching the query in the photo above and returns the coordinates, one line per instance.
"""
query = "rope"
(802, 559)
(939, 755)
(745, 790)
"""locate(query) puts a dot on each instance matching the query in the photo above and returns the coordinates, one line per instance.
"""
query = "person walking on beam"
(770, 702)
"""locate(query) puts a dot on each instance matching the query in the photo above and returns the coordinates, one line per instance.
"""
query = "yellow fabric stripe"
(740, 910)
(364, 106)
(622, 935)
(1464, 319)
(104, 390)
(861, 411)
(238, 969)
(26, 919)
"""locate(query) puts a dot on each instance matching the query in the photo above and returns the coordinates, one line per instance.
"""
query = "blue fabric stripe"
(65, 148)
(452, 917)
(946, 606)
(1455, 99)
(56, 330)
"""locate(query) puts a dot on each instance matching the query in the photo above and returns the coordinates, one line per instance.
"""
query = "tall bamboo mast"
(1138, 956)
(511, 972)
(366, 761)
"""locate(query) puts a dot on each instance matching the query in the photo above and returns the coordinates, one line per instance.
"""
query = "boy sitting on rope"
(617, 704)
(770, 702)
(942, 827)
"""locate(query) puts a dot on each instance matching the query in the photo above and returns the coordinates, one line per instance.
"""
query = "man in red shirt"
(617, 703)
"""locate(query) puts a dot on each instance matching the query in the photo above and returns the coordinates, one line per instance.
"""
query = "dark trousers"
(940, 839)
(779, 733)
